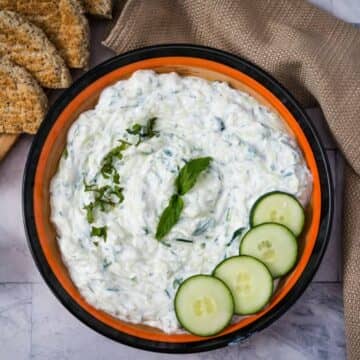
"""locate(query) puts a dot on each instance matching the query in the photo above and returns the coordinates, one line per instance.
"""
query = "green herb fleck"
(106, 264)
(202, 226)
(189, 173)
(150, 132)
(103, 199)
(135, 129)
(89, 187)
(89, 212)
(144, 131)
(65, 153)
(169, 217)
(107, 168)
(99, 231)
(184, 240)
(236, 234)
(118, 192)
(116, 178)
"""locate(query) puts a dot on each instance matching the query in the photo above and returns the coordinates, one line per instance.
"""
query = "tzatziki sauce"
(111, 251)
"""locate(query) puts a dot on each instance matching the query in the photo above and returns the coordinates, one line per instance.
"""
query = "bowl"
(48, 146)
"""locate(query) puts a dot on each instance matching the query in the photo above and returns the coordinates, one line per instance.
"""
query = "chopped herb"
(103, 199)
(184, 240)
(89, 187)
(236, 234)
(106, 264)
(202, 226)
(167, 293)
(107, 168)
(135, 129)
(169, 217)
(116, 178)
(220, 123)
(99, 231)
(228, 215)
(89, 212)
(144, 131)
(96, 243)
(117, 191)
(65, 153)
(189, 173)
(203, 245)
(150, 127)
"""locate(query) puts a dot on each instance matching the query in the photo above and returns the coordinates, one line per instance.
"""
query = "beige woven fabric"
(313, 54)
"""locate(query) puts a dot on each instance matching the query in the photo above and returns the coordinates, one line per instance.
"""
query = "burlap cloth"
(313, 54)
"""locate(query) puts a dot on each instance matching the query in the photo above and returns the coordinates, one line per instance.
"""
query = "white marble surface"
(34, 325)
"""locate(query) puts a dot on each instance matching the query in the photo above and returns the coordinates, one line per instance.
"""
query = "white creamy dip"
(130, 274)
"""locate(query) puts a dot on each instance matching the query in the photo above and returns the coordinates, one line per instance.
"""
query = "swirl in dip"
(127, 272)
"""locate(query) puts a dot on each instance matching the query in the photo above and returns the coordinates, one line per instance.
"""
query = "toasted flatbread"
(102, 8)
(25, 44)
(63, 21)
(23, 103)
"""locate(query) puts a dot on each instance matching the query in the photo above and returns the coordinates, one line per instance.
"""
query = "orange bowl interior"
(86, 99)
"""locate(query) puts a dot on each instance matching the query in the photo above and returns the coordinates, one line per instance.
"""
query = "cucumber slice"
(203, 305)
(273, 244)
(281, 208)
(249, 280)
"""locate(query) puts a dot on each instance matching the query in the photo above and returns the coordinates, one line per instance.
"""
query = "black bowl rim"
(281, 93)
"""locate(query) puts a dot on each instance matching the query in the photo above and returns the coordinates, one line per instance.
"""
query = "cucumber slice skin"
(293, 239)
(266, 271)
(181, 320)
(296, 229)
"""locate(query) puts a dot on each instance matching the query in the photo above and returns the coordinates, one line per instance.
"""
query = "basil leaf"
(169, 217)
(99, 231)
(189, 173)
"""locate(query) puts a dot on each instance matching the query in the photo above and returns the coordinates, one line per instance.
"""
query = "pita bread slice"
(27, 45)
(23, 103)
(102, 8)
(63, 21)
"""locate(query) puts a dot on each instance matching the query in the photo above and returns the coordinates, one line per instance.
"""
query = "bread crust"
(26, 45)
(102, 8)
(23, 103)
(63, 21)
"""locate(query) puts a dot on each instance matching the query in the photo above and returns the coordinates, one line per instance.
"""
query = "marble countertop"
(34, 325)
